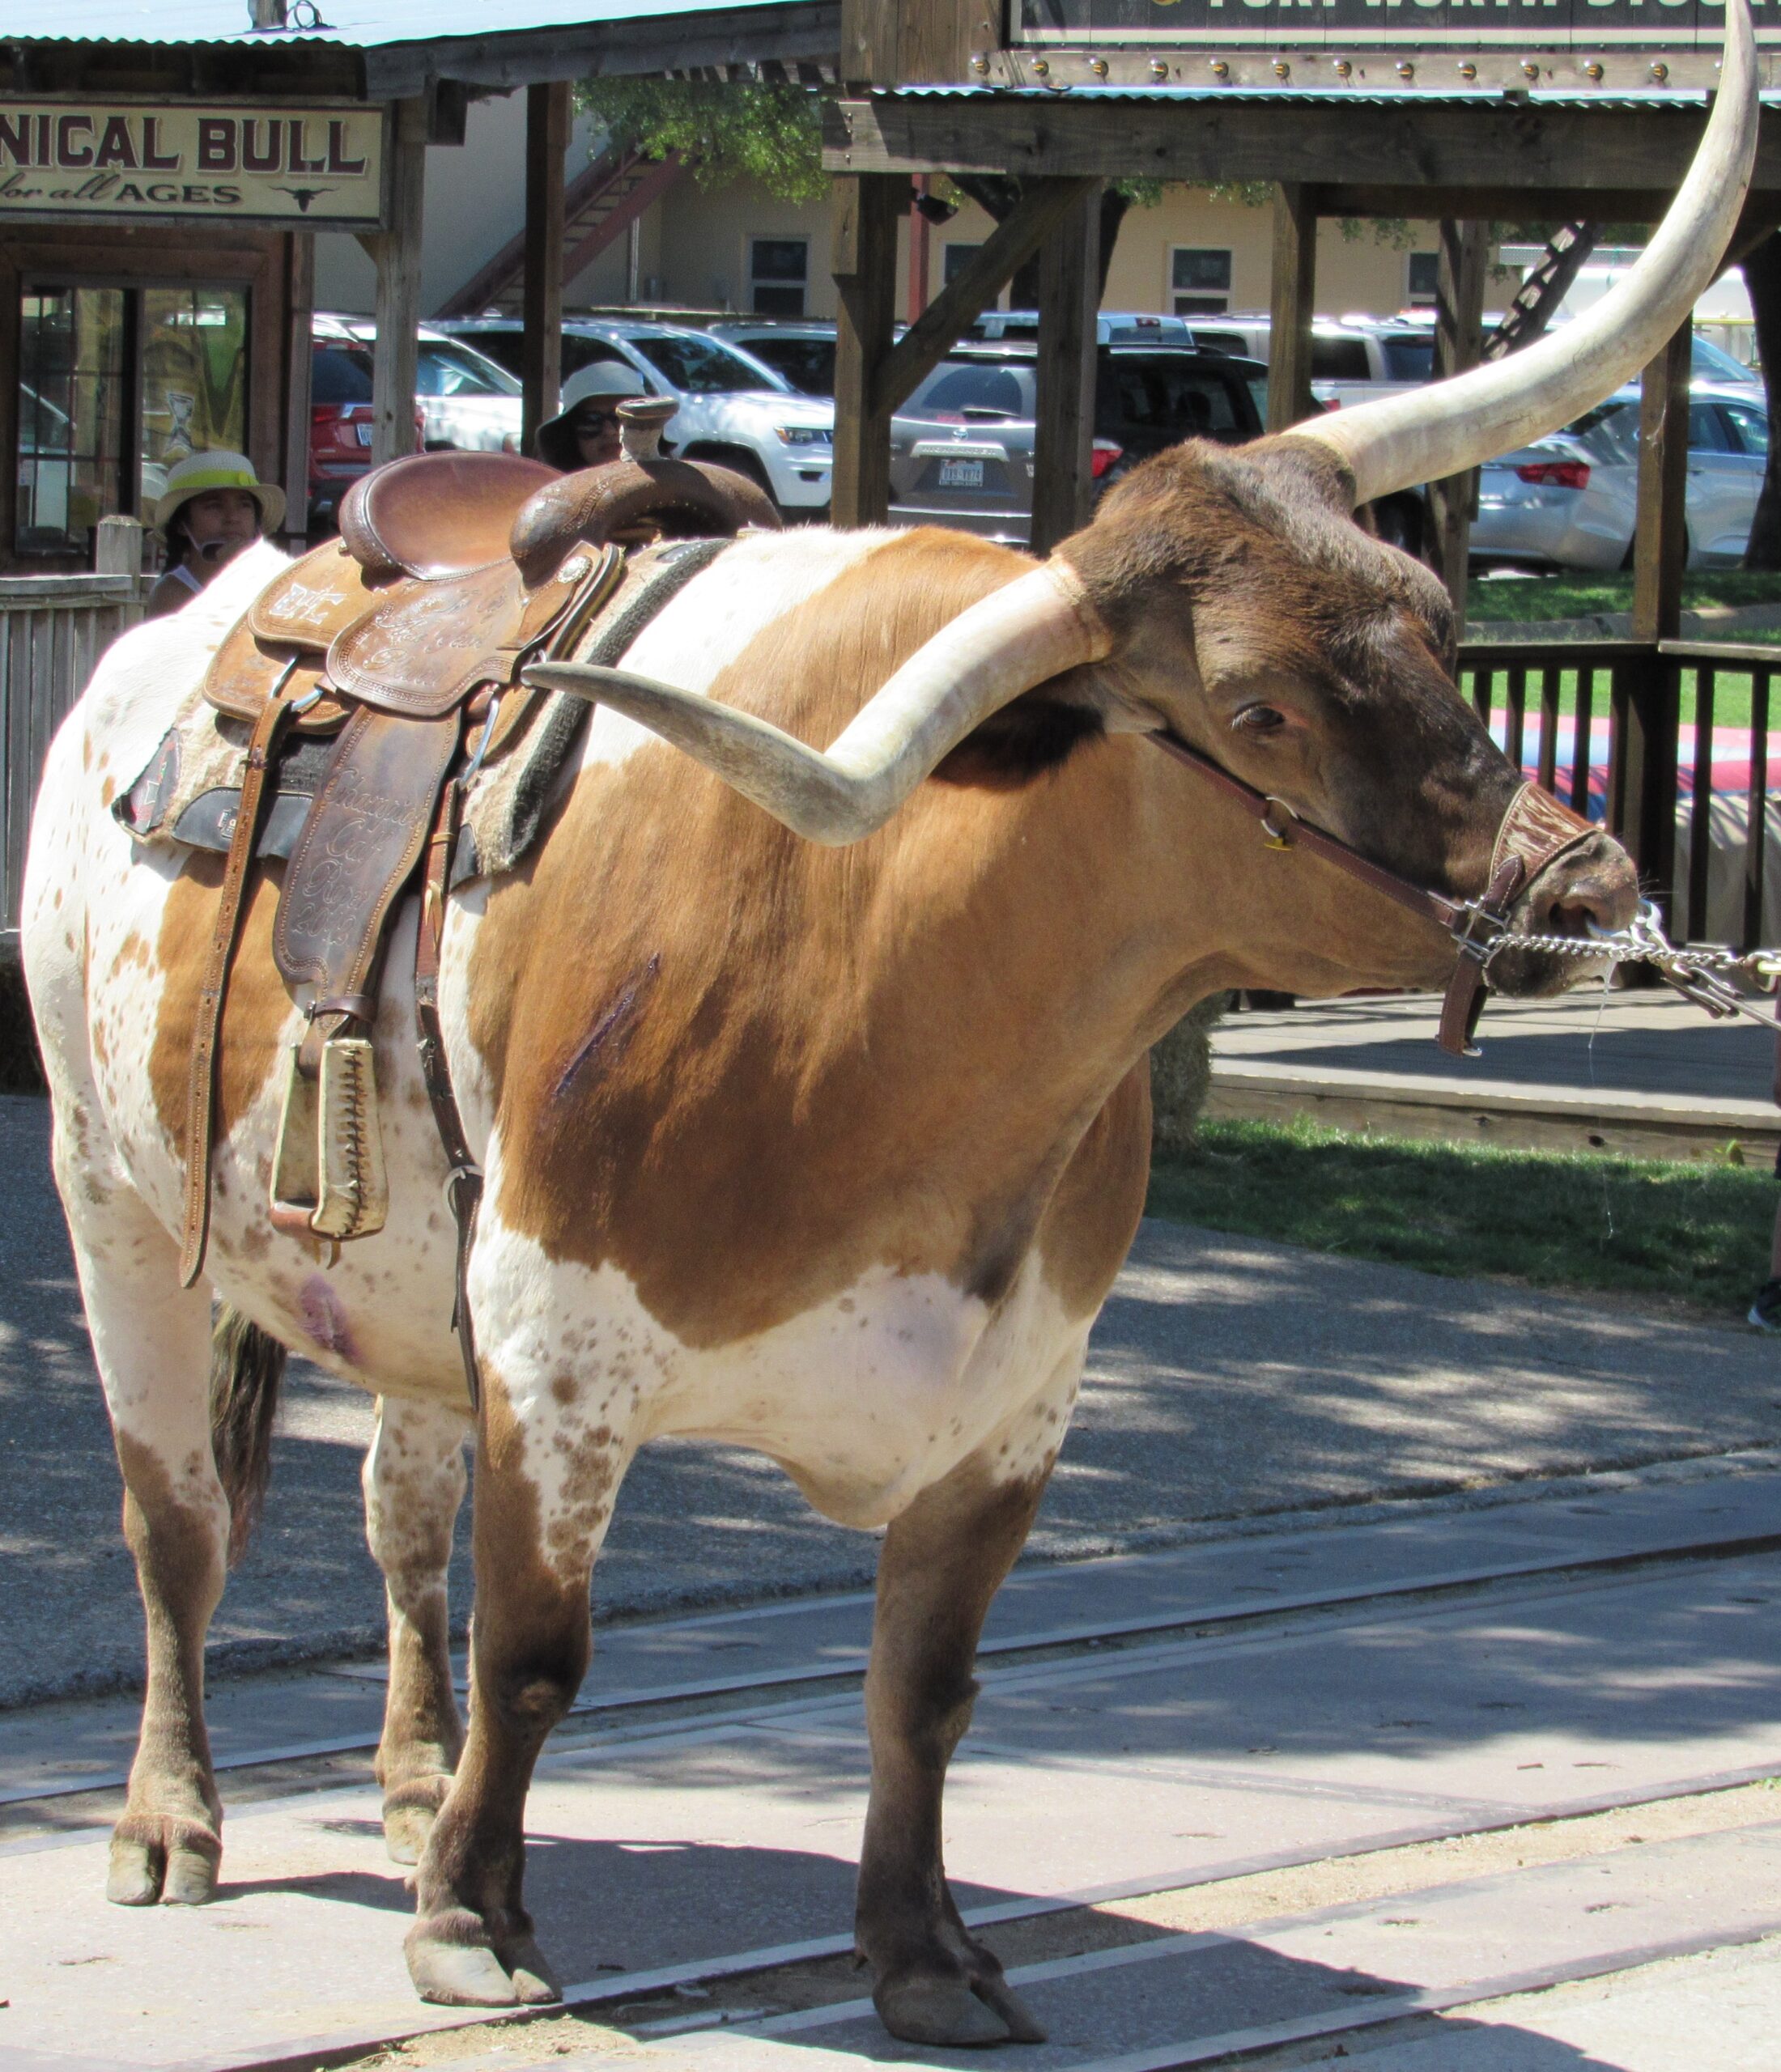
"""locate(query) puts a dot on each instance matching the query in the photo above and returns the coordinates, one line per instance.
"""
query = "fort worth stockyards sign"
(1568, 25)
(318, 165)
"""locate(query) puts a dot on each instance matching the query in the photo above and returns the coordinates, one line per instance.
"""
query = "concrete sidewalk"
(1645, 1073)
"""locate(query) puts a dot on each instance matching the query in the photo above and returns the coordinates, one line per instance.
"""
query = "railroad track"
(723, 2010)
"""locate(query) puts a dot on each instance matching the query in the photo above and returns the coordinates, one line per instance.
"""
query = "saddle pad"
(189, 793)
(508, 804)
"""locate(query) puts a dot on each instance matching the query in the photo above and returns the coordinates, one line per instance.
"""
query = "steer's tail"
(247, 1365)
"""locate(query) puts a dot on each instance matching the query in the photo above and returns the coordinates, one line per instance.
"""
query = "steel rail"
(1224, 1616)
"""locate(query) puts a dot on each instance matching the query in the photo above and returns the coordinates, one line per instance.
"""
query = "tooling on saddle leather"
(190, 793)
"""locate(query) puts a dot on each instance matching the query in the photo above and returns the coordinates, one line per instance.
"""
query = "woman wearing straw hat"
(213, 506)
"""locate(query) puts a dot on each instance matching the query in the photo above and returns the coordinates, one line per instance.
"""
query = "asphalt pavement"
(1229, 1380)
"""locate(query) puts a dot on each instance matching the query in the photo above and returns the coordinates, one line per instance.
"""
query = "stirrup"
(328, 1177)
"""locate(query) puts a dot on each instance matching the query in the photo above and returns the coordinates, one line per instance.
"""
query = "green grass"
(1676, 1234)
(1578, 596)
(1731, 701)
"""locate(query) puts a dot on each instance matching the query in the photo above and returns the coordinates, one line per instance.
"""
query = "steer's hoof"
(409, 1811)
(155, 1856)
(949, 2013)
(452, 1972)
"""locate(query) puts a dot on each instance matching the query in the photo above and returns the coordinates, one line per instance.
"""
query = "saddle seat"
(405, 638)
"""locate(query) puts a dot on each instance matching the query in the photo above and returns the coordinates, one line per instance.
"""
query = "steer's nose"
(1595, 885)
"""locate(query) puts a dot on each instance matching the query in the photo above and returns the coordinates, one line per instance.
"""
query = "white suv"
(732, 408)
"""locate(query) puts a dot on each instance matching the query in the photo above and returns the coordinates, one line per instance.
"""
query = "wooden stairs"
(599, 205)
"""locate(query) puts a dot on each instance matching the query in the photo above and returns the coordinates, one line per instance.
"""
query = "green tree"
(725, 133)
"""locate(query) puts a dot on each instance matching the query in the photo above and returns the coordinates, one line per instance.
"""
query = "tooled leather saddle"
(400, 644)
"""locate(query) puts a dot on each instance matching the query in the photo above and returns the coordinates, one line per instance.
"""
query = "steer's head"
(1230, 598)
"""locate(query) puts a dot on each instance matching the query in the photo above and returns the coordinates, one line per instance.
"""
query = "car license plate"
(961, 474)
(367, 433)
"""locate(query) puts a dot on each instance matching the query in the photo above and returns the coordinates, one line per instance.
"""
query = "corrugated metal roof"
(1322, 96)
(352, 24)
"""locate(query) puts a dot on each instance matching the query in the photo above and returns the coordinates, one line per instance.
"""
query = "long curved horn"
(1032, 630)
(1424, 433)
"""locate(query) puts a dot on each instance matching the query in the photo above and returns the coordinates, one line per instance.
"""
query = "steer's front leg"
(943, 1562)
(548, 1467)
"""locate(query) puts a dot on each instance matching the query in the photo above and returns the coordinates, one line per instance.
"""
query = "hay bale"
(1181, 1075)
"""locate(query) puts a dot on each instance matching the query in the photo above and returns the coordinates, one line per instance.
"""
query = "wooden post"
(920, 246)
(1643, 799)
(1458, 344)
(300, 362)
(117, 546)
(396, 254)
(1069, 277)
(867, 208)
(541, 362)
(1292, 297)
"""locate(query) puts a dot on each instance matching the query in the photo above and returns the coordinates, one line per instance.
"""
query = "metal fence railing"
(1669, 746)
(52, 629)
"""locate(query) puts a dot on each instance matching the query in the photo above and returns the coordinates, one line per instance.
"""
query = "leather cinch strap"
(200, 1080)
(464, 1176)
(1534, 833)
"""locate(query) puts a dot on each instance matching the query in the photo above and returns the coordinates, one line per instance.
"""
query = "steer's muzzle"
(1593, 886)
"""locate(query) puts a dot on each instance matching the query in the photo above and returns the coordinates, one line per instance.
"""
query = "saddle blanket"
(188, 795)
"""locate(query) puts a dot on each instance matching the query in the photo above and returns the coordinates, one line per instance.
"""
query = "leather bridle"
(1535, 831)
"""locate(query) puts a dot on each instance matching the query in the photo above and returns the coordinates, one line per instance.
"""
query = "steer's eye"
(1260, 720)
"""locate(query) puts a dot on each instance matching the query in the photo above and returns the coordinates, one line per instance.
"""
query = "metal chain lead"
(1701, 974)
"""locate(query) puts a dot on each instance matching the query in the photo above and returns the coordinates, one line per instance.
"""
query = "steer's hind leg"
(151, 1339)
(414, 1480)
(943, 1562)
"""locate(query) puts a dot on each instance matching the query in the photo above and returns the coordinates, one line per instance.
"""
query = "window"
(580, 352)
(963, 388)
(701, 367)
(1410, 355)
(340, 373)
(1706, 432)
(1339, 359)
(117, 385)
(1752, 425)
(954, 260)
(1163, 396)
(779, 271)
(807, 363)
(1425, 279)
(456, 370)
(1200, 281)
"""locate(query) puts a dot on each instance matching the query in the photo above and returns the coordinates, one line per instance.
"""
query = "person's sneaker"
(1766, 1310)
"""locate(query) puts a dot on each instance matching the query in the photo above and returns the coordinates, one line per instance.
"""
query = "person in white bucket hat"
(213, 506)
(584, 432)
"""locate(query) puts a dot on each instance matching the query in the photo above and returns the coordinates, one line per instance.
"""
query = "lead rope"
(1700, 973)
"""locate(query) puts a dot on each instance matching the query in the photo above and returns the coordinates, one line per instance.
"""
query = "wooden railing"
(52, 629)
(1625, 732)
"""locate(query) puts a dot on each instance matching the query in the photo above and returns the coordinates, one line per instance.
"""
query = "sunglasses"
(589, 424)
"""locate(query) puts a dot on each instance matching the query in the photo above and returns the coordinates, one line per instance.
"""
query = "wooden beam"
(1043, 207)
(396, 254)
(300, 300)
(907, 43)
(1641, 792)
(541, 344)
(1069, 293)
(1458, 344)
(865, 213)
(1528, 151)
(1291, 297)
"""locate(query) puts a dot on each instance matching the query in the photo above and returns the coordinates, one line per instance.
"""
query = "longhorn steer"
(831, 1152)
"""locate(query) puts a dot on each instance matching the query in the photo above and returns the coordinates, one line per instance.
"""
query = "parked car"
(732, 408)
(1113, 327)
(340, 420)
(467, 401)
(800, 351)
(1570, 501)
(961, 447)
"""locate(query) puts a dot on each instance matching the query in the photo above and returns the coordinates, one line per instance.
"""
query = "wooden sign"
(193, 161)
(1567, 25)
